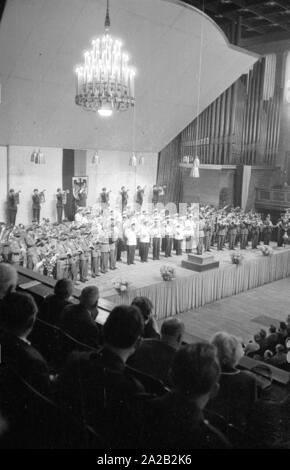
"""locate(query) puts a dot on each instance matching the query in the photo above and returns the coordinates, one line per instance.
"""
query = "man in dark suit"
(55, 303)
(154, 356)
(150, 325)
(79, 320)
(272, 339)
(98, 388)
(17, 317)
(175, 420)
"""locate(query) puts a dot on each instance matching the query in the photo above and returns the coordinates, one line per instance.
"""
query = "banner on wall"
(80, 191)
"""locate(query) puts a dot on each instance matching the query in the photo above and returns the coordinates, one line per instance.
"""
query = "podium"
(200, 263)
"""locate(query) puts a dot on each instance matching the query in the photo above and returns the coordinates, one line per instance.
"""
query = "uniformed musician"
(13, 200)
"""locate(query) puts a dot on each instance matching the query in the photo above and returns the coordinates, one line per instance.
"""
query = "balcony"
(278, 199)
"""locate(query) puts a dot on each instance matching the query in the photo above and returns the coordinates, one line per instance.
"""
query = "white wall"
(25, 175)
(114, 171)
(3, 183)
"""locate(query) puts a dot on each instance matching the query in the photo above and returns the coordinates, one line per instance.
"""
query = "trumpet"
(42, 196)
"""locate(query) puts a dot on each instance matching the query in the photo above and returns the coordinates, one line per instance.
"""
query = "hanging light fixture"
(33, 156)
(133, 160)
(40, 158)
(96, 159)
(105, 82)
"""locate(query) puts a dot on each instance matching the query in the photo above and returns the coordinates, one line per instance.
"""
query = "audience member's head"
(123, 329)
(172, 331)
(283, 328)
(257, 337)
(89, 298)
(63, 289)
(263, 333)
(145, 306)
(8, 279)
(17, 314)
(229, 349)
(268, 354)
(279, 348)
(272, 329)
(195, 372)
(252, 347)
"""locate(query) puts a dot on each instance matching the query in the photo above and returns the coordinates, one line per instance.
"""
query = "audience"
(54, 304)
(150, 325)
(98, 388)
(238, 389)
(17, 316)
(175, 421)
(154, 356)
(79, 320)
(8, 279)
(105, 387)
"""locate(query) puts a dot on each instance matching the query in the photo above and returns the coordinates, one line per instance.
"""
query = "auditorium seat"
(54, 344)
(36, 422)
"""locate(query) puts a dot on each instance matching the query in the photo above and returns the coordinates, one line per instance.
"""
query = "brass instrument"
(42, 196)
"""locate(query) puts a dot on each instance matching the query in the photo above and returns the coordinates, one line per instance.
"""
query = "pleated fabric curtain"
(180, 295)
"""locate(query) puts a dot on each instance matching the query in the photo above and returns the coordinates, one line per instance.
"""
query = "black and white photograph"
(144, 227)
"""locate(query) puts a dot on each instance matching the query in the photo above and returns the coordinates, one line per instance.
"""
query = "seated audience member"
(175, 421)
(54, 304)
(150, 325)
(282, 333)
(79, 320)
(154, 356)
(261, 340)
(238, 389)
(268, 355)
(17, 316)
(280, 357)
(97, 387)
(272, 338)
(252, 348)
(8, 279)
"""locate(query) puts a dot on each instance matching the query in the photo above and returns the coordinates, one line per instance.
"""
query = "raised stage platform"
(193, 289)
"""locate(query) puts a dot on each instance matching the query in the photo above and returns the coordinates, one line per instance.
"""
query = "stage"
(191, 289)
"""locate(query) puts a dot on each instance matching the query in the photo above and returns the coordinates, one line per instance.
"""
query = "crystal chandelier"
(105, 82)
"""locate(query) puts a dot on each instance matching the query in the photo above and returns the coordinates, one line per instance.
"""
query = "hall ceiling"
(41, 41)
(258, 18)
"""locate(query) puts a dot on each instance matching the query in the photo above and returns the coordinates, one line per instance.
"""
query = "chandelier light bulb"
(105, 111)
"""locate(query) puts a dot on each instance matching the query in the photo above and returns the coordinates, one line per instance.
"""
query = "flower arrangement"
(168, 273)
(266, 250)
(237, 258)
(121, 286)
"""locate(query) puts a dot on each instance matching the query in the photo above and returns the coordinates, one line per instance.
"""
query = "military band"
(94, 243)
